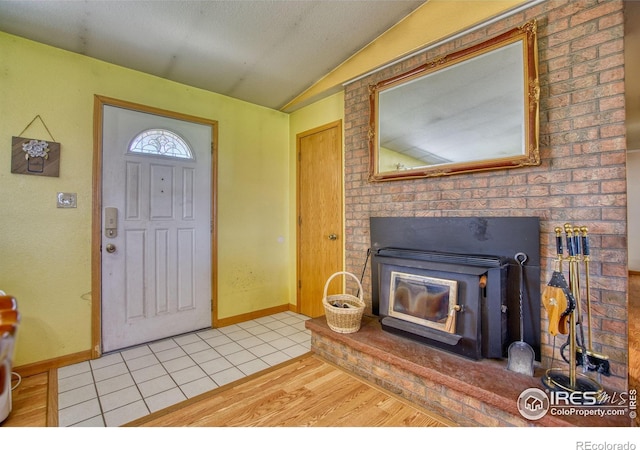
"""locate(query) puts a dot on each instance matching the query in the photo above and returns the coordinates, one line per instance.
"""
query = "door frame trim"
(335, 124)
(96, 220)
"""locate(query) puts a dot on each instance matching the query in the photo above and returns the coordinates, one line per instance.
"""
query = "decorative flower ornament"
(36, 149)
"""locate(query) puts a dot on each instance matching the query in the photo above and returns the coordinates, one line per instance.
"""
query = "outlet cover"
(66, 199)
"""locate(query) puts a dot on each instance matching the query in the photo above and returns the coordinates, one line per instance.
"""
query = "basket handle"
(326, 286)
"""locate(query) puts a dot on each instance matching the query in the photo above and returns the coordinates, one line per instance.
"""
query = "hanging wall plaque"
(34, 156)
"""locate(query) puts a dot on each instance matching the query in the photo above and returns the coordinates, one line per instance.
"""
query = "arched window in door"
(161, 142)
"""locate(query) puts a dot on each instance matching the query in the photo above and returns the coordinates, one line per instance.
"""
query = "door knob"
(110, 248)
(333, 237)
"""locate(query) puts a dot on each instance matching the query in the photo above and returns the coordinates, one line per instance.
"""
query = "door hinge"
(299, 284)
(299, 156)
(299, 220)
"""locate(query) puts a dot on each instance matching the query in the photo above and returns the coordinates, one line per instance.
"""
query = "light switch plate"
(66, 199)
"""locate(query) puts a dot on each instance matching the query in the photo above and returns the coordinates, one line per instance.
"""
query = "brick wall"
(581, 179)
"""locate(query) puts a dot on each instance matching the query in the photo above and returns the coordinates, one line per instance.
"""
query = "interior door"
(156, 237)
(320, 240)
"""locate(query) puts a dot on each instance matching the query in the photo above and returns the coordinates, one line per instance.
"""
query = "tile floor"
(123, 386)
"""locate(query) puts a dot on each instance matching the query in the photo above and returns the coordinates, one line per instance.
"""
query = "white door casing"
(157, 282)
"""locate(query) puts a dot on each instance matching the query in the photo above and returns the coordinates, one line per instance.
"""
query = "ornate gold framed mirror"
(472, 110)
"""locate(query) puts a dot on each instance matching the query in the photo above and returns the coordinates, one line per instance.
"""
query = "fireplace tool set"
(562, 300)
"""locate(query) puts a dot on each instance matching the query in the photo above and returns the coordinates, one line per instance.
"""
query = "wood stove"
(454, 302)
(454, 283)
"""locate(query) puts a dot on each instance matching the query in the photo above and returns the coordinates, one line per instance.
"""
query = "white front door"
(156, 234)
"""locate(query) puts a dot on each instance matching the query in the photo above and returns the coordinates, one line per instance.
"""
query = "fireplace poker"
(593, 361)
(572, 328)
(574, 235)
(586, 259)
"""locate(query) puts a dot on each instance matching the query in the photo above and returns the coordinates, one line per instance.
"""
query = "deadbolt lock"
(110, 248)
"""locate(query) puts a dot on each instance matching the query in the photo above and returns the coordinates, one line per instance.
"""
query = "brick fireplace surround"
(469, 393)
(581, 180)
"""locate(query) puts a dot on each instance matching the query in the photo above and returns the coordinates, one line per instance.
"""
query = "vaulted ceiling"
(265, 52)
(277, 53)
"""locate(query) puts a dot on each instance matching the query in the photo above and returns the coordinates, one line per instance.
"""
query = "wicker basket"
(343, 319)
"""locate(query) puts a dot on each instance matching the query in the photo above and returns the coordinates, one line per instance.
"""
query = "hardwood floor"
(308, 392)
(29, 403)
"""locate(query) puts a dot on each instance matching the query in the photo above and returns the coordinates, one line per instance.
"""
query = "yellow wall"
(45, 252)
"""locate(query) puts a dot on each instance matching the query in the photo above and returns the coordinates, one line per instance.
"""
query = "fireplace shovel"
(521, 355)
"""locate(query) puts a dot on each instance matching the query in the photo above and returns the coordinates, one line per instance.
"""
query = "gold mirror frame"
(528, 154)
